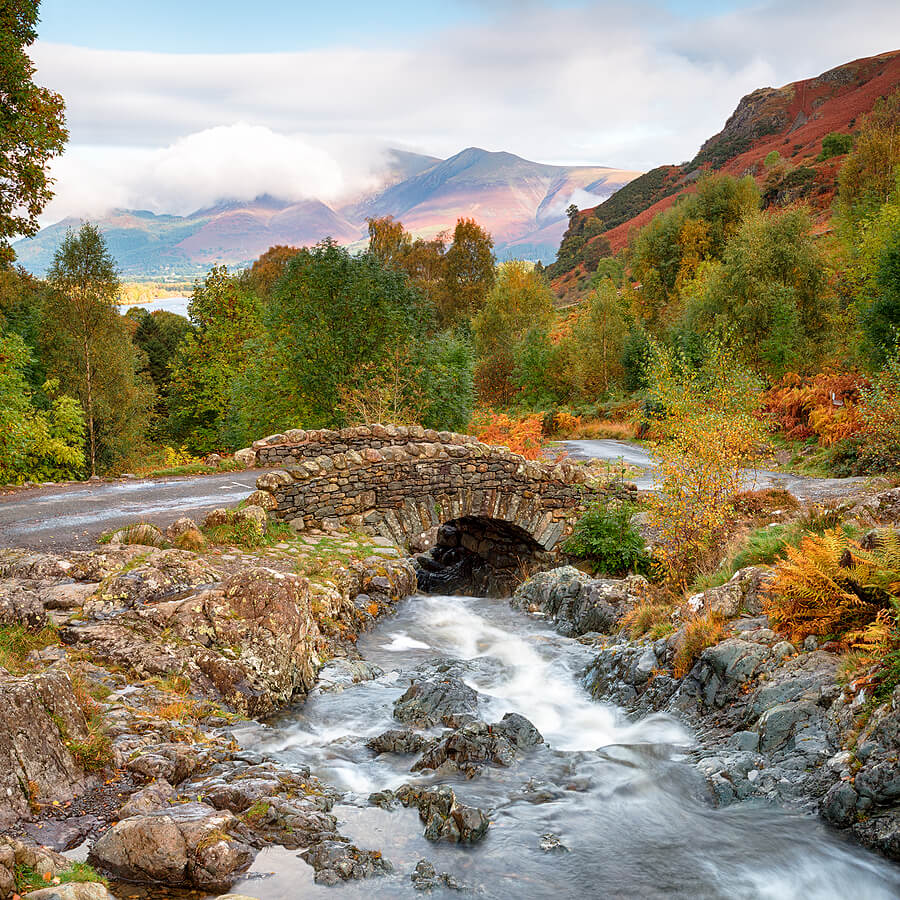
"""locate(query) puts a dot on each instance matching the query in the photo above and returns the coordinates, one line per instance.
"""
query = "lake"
(170, 304)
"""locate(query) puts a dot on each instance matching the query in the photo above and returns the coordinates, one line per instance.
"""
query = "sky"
(176, 104)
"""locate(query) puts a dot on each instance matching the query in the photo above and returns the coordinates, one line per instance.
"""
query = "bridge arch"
(401, 482)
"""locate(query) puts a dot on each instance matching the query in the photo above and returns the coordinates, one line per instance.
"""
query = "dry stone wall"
(409, 484)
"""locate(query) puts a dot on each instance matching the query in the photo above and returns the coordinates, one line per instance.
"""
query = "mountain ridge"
(520, 202)
(791, 120)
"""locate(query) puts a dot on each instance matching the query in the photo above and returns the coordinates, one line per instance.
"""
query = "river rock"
(475, 744)
(189, 845)
(578, 603)
(398, 740)
(83, 891)
(162, 575)
(429, 701)
(445, 818)
(338, 860)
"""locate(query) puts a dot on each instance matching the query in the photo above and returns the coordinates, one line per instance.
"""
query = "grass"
(246, 534)
(599, 429)
(699, 633)
(16, 642)
(78, 873)
(197, 468)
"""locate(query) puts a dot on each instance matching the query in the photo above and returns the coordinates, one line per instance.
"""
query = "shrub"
(835, 144)
(830, 586)
(705, 416)
(606, 538)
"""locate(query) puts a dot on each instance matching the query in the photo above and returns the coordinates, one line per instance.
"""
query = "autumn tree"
(266, 270)
(704, 415)
(89, 350)
(32, 128)
(870, 172)
(468, 273)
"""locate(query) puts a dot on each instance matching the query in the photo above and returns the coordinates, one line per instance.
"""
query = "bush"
(835, 144)
(605, 537)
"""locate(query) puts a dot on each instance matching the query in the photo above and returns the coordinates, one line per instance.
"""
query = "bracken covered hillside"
(790, 121)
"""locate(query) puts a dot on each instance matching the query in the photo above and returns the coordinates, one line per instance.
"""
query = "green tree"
(34, 443)
(158, 335)
(334, 323)
(520, 300)
(600, 338)
(211, 359)
(88, 348)
(32, 128)
(468, 274)
(769, 291)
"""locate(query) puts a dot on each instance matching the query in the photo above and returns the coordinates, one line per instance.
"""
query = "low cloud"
(630, 86)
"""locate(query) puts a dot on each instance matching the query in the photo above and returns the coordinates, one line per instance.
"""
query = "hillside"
(790, 121)
(521, 203)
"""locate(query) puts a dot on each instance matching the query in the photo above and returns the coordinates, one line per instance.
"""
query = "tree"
(266, 270)
(768, 290)
(338, 323)
(468, 273)
(226, 315)
(35, 444)
(519, 301)
(89, 350)
(32, 128)
(709, 433)
(388, 241)
(600, 337)
(157, 335)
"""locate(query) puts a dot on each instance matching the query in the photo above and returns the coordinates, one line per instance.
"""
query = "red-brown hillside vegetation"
(791, 120)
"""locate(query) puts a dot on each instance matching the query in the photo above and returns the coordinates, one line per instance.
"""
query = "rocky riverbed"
(296, 719)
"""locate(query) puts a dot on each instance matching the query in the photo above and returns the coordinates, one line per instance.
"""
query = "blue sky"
(231, 26)
(174, 104)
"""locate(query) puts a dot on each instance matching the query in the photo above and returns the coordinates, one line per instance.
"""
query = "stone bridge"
(405, 482)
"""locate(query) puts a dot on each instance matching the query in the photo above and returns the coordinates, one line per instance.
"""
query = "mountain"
(523, 204)
(791, 120)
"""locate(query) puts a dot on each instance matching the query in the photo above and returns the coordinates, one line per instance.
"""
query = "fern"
(829, 586)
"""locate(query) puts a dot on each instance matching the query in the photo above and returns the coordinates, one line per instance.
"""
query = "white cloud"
(624, 85)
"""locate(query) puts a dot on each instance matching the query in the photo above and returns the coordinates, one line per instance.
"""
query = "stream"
(620, 796)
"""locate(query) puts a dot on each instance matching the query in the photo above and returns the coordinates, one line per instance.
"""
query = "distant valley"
(521, 203)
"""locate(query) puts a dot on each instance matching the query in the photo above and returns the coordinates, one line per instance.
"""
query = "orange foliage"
(825, 406)
(524, 435)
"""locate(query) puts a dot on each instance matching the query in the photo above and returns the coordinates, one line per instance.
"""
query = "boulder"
(578, 603)
(37, 716)
(338, 860)
(430, 701)
(21, 605)
(189, 845)
(445, 818)
(245, 457)
(267, 615)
